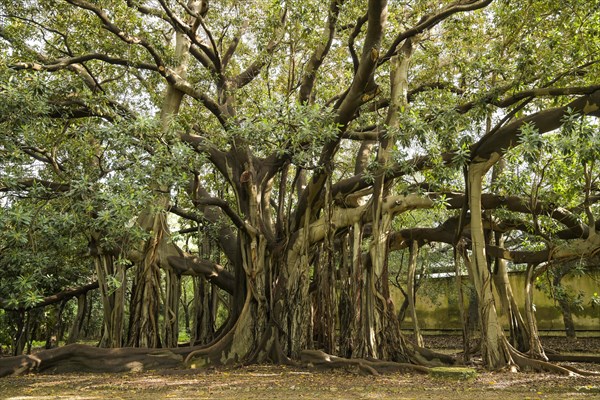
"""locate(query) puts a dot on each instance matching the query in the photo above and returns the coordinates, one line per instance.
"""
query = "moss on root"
(457, 373)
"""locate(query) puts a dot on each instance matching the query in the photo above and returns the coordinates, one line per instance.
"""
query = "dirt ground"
(278, 382)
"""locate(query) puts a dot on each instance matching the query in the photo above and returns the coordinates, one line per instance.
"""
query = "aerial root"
(321, 359)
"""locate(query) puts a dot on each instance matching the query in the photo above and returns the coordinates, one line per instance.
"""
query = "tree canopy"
(279, 151)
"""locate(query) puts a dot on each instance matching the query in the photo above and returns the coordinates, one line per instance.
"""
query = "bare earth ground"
(278, 382)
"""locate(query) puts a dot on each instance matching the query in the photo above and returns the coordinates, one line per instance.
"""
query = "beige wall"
(437, 306)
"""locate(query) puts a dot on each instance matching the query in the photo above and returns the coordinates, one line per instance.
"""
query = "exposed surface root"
(321, 359)
(581, 371)
(212, 351)
(432, 358)
(574, 358)
(524, 362)
(82, 358)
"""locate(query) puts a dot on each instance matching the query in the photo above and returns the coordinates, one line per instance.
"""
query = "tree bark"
(79, 319)
(535, 345)
(519, 333)
(109, 274)
(81, 358)
(494, 346)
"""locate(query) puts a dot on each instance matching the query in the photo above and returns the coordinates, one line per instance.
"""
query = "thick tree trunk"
(144, 327)
(324, 276)
(292, 306)
(379, 327)
(565, 309)
(459, 253)
(171, 308)
(347, 291)
(519, 332)
(251, 336)
(109, 274)
(79, 319)
(324, 319)
(202, 324)
(535, 345)
(494, 346)
(21, 335)
(144, 330)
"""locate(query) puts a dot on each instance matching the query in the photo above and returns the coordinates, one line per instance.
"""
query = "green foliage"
(85, 148)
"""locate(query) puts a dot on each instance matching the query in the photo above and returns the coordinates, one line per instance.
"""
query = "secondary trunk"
(535, 346)
(79, 319)
(112, 286)
(519, 333)
(494, 346)
(144, 329)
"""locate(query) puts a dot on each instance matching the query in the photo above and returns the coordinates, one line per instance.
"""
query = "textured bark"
(565, 309)
(113, 298)
(459, 253)
(21, 334)
(519, 332)
(324, 320)
(202, 316)
(81, 358)
(171, 309)
(82, 305)
(347, 298)
(535, 345)
(494, 346)
(379, 324)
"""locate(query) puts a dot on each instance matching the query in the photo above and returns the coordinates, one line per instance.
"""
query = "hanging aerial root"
(320, 359)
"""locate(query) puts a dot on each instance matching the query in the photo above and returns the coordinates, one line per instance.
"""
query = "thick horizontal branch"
(111, 27)
(508, 101)
(503, 139)
(223, 205)
(212, 272)
(31, 183)
(432, 20)
(63, 63)
(53, 299)
(185, 87)
(544, 121)
(185, 214)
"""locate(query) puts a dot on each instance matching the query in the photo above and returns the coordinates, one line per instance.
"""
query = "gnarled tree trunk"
(112, 285)
(494, 346)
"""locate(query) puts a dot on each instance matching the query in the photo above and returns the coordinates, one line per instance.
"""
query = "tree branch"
(212, 272)
(429, 21)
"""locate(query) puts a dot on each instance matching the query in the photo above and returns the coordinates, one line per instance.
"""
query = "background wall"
(437, 306)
